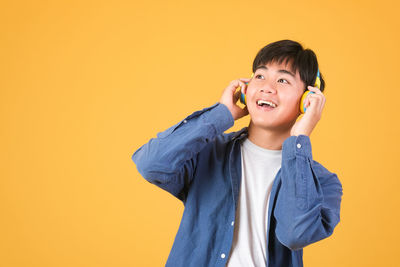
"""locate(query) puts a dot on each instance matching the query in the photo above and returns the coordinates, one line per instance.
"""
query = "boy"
(254, 197)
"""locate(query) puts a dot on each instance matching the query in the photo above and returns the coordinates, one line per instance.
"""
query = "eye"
(283, 80)
(278, 80)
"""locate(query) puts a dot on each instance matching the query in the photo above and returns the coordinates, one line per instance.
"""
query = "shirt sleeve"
(308, 203)
(169, 161)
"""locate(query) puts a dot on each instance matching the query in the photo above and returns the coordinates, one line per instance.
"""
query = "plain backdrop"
(83, 84)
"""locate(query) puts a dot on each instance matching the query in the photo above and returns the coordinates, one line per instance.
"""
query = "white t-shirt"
(259, 168)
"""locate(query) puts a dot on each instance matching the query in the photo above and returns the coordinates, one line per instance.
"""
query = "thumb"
(243, 112)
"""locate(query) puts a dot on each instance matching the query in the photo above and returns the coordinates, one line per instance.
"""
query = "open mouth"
(265, 105)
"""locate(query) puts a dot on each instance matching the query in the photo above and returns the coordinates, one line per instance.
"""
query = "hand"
(314, 104)
(229, 98)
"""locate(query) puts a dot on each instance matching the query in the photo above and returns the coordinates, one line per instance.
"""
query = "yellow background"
(83, 84)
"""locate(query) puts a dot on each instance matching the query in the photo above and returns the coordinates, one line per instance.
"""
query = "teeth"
(259, 102)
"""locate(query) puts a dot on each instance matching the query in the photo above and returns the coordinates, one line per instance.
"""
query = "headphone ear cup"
(243, 98)
(242, 95)
(303, 99)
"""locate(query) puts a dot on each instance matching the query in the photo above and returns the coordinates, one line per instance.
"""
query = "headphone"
(303, 97)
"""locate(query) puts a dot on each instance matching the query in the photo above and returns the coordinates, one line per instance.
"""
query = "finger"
(240, 81)
(243, 111)
(322, 104)
(233, 86)
(314, 89)
(311, 103)
(321, 96)
(310, 100)
(316, 102)
(236, 96)
(242, 85)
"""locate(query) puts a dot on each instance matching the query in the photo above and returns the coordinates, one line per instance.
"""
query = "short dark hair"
(302, 59)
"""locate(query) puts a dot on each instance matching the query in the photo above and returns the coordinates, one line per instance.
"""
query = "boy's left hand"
(314, 104)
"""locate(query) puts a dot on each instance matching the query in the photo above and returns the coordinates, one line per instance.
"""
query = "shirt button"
(184, 121)
(223, 255)
(298, 145)
(232, 223)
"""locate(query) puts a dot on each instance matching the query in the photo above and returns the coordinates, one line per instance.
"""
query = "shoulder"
(225, 139)
(220, 145)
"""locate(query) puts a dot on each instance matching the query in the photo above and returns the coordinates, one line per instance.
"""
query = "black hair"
(302, 59)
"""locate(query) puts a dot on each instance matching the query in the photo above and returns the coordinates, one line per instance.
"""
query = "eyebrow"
(281, 71)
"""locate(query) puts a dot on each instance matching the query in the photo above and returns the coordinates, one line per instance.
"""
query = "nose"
(268, 87)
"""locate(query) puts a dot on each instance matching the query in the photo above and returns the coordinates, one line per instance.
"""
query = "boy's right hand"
(229, 98)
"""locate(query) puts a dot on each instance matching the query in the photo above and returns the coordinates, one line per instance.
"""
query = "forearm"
(308, 203)
(163, 157)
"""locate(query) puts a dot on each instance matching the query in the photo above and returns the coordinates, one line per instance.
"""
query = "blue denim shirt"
(199, 164)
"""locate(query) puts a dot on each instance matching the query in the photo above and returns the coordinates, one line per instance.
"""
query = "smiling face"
(277, 83)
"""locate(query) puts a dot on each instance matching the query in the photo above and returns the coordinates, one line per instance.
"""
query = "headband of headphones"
(318, 81)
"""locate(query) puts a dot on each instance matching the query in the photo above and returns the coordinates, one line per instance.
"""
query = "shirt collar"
(243, 133)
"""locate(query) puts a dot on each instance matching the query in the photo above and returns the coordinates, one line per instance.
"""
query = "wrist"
(231, 111)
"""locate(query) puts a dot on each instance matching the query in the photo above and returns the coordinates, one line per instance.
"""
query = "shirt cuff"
(297, 145)
(220, 117)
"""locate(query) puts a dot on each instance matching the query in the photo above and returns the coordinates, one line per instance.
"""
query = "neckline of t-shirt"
(253, 146)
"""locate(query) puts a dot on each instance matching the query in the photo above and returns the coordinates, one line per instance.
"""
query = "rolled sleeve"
(308, 203)
(169, 161)
(220, 117)
(297, 145)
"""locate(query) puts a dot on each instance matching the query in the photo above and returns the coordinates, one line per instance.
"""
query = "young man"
(255, 197)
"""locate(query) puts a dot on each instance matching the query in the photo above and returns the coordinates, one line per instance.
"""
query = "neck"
(267, 138)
